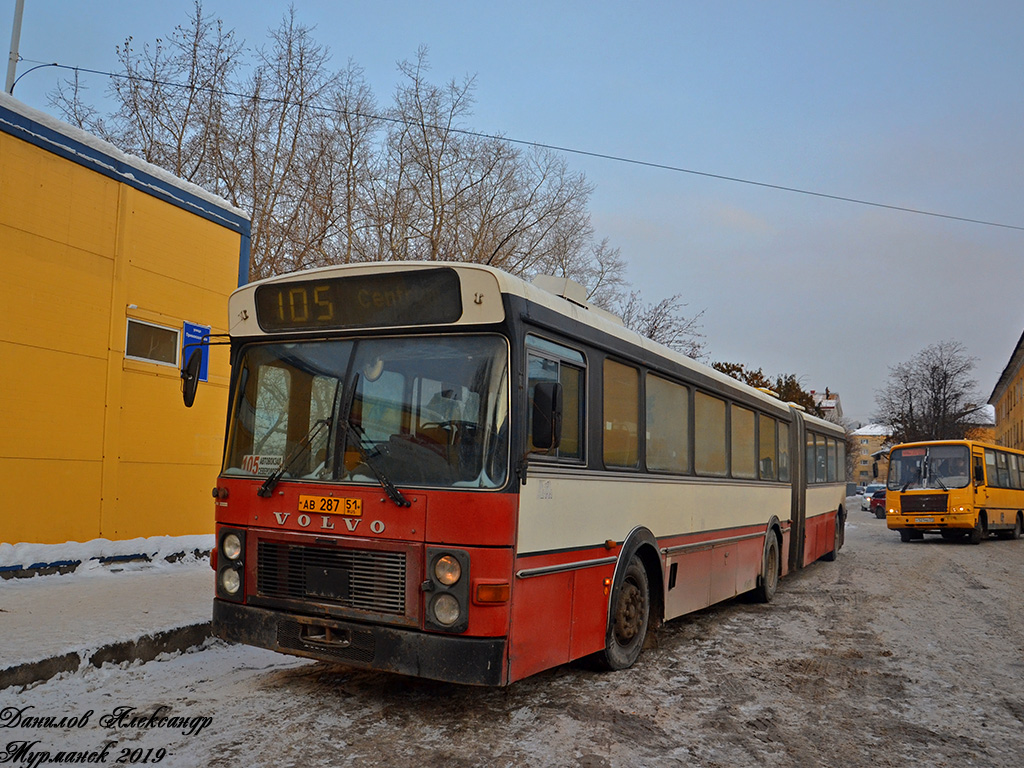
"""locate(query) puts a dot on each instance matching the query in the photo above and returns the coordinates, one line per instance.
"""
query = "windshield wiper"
(389, 487)
(272, 479)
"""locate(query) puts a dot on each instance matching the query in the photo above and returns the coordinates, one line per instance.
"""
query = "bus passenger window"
(809, 459)
(709, 435)
(621, 415)
(1015, 479)
(767, 461)
(783, 451)
(831, 459)
(1002, 471)
(668, 426)
(744, 451)
(820, 459)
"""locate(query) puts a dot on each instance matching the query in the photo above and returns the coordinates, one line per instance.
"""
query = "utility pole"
(12, 61)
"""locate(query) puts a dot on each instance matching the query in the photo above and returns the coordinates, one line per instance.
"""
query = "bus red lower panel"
(470, 660)
(560, 615)
(820, 536)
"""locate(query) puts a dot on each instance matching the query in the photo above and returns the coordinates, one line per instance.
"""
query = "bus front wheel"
(631, 608)
(979, 531)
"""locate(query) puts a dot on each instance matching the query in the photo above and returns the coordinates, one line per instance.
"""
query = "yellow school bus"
(955, 488)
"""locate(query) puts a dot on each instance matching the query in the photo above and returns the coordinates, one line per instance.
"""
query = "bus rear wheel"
(770, 568)
(1013, 533)
(631, 609)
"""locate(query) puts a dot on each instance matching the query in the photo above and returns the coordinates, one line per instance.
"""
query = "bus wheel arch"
(636, 600)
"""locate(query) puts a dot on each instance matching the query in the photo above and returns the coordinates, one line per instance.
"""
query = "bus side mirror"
(874, 470)
(190, 377)
(547, 415)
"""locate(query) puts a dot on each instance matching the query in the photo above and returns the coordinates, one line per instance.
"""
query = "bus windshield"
(938, 467)
(423, 411)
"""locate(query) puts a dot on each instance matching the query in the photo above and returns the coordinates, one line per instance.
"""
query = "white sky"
(916, 103)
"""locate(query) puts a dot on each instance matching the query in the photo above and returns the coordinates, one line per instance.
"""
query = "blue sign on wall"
(191, 340)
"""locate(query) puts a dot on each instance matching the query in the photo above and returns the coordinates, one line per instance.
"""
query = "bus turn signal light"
(492, 593)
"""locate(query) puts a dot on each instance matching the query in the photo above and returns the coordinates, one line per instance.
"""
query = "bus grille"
(928, 502)
(367, 580)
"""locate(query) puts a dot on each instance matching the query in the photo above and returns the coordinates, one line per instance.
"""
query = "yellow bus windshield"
(929, 467)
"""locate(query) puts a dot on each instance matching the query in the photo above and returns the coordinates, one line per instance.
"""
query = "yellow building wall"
(96, 445)
(1009, 429)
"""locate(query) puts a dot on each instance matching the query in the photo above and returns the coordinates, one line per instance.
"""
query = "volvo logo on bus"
(326, 522)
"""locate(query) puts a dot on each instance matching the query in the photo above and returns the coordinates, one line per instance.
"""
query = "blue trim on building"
(243, 260)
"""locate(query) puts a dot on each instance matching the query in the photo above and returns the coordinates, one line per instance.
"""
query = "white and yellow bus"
(959, 489)
(442, 470)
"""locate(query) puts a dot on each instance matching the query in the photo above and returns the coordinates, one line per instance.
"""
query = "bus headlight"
(232, 546)
(448, 574)
(446, 610)
(230, 581)
(447, 570)
(230, 563)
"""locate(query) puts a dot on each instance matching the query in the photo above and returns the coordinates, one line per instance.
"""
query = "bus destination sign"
(409, 297)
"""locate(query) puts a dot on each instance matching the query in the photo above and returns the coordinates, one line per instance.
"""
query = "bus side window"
(767, 442)
(621, 415)
(709, 435)
(553, 362)
(783, 451)
(979, 470)
(742, 445)
(668, 425)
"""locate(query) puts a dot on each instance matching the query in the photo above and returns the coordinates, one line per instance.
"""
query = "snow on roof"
(985, 416)
(873, 430)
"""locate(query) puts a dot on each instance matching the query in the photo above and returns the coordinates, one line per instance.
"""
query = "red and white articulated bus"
(444, 471)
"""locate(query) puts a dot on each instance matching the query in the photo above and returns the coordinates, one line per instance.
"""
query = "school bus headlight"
(230, 581)
(447, 570)
(446, 610)
(232, 546)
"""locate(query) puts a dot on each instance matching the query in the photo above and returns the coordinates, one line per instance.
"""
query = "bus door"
(978, 478)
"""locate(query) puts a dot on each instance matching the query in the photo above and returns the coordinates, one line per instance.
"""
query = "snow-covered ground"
(894, 655)
(99, 604)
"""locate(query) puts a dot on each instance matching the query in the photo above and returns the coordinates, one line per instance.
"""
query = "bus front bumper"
(925, 522)
(454, 659)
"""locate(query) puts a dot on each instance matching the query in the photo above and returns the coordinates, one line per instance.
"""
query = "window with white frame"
(152, 343)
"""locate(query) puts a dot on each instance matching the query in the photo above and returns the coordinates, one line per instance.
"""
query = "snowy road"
(894, 655)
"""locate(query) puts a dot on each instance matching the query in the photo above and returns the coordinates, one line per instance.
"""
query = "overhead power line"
(552, 147)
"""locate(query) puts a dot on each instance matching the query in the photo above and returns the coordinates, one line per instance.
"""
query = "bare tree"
(664, 323)
(170, 99)
(328, 177)
(932, 396)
